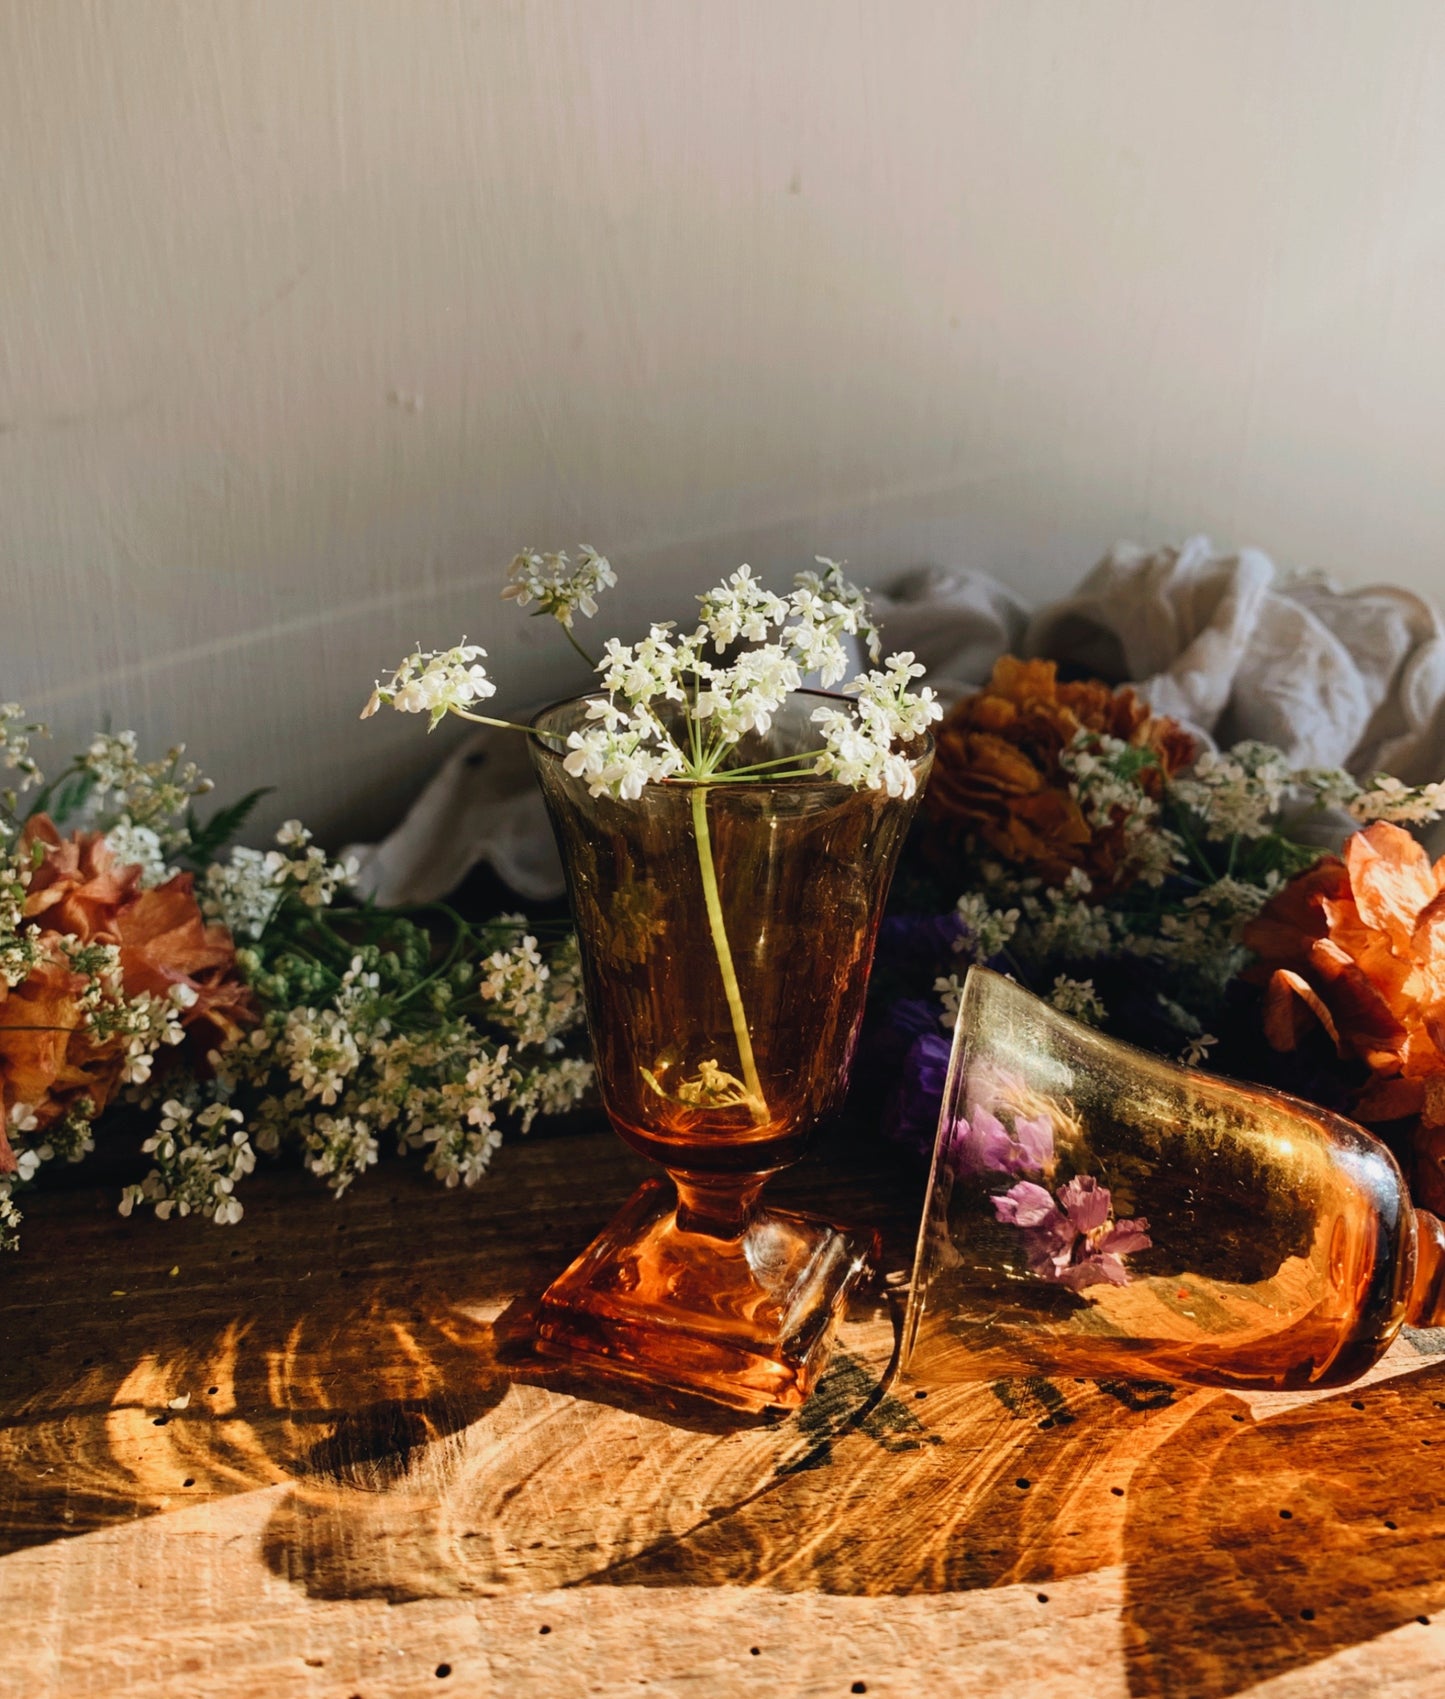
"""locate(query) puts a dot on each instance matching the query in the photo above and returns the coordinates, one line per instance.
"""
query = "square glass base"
(742, 1322)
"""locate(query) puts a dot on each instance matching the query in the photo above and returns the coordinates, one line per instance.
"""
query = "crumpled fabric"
(1228, 644)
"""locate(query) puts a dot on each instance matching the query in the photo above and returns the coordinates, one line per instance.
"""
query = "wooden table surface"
(371, 1492)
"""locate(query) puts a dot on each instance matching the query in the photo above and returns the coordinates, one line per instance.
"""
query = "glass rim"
(924, 745)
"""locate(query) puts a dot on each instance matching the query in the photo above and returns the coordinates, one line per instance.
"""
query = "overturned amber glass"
(1095, 1209)
(726, 932)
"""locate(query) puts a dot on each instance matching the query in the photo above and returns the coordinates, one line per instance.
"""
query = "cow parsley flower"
(303, 868)
(140, 846)
(846, 604)
(243, 893)
(16, 732)
(986, 930)
(199, 1156)
(20, 946)
(146, 794)
(436, 683)
(1236, 793)
(1398, 803)
(560, 587)
(1078, 999)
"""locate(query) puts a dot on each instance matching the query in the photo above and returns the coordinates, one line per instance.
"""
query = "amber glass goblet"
(726, 932)
(1094, 1209)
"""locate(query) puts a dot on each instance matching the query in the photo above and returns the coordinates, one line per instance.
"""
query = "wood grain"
(372, 1483)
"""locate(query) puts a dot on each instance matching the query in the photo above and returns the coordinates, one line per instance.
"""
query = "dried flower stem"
(757, 1104)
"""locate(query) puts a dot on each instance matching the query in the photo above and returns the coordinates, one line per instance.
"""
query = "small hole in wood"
(211, 1391)
(160, 1421)
(189, 1481)
(1391, 1525)
(1286, 1515)
(920, 1395)
(1427, 1442)
(1357, 1403)
(1118, 1492)
(1023, 1483)
(1424, 1621)
(1236, 1418)
(755, 1651)
(1307, 1614)
(444, 1669)
(1047, 1422)
(859, 1687)
(1043, 1598)
(545, 1628)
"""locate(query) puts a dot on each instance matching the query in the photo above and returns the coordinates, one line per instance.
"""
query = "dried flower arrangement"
(239, 1003)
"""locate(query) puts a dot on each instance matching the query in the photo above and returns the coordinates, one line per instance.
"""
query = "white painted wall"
(312, 311)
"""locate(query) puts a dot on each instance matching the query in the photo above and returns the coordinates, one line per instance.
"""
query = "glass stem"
(757, 1105)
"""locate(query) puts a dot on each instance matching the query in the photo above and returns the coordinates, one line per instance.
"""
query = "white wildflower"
(435, 682)
(654, 668)
(1401, 804)
(744, 697)
(140, 846)
(146, 794)
(319, 1051)
(514, 985)
(1236, 793)
(859, 742)
(1078, 998)
(846, 604)
(1103, 779)
(301, 867)
(741, 607)
(624, 753)
(559, 587)
(1197, 1049)
(199, 1156)
(243, 894)
(337, 1148)
(10, 1216)
(950, 991)
(20, 941)
(986, 930)
(15, 735)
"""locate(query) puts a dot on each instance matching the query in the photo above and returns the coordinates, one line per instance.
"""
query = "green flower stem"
(567, 633)
(757, 1104)
(487, 720)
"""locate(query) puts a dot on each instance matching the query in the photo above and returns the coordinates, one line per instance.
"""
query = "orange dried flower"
(79, 890)
(997, 772)
(1358, 944)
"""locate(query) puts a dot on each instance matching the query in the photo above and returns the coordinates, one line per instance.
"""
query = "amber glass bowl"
(710, 1292)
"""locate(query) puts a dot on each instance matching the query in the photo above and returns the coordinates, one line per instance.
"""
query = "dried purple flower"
(982, 1145)
(1073, 1240)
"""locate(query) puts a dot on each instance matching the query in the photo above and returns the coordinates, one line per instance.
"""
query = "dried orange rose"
(78, 889)
(997, 773)
(1358, 944)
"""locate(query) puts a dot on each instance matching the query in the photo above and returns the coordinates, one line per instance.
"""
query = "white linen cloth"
(1226, 643)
